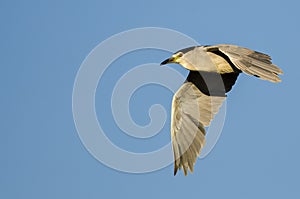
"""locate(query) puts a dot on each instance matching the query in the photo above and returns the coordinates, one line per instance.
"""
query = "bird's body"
(213, 72)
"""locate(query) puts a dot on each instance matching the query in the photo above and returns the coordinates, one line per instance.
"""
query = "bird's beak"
(167, 61)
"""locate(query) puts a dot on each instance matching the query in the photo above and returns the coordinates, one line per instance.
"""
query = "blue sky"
(43, 44)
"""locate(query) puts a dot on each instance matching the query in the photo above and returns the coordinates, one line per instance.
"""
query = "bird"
(213, 70)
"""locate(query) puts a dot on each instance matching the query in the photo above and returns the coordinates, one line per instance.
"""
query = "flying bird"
(213, 70)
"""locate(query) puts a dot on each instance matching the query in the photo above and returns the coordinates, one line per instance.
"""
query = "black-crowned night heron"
(213, 72)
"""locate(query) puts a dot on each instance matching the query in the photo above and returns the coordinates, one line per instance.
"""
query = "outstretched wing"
(249, 61)
(192, 110)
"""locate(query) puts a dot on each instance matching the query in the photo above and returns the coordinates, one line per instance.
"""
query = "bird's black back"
(211, 83)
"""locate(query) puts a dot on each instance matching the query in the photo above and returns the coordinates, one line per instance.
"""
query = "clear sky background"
(42, 46)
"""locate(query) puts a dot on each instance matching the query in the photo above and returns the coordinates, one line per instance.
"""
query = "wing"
(249, 61)
(191, 112)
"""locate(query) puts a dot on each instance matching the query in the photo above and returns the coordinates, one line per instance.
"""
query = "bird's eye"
(180, 54)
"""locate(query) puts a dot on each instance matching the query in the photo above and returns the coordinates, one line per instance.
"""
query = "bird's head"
(176, 58)
(192, 58)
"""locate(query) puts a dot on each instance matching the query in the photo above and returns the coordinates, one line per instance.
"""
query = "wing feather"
(251, 62)
(191, 112)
